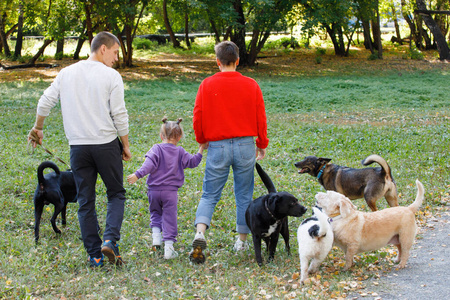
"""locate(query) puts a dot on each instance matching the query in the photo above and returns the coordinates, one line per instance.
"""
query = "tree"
(243, 16)
(175, 42)
(444, 52)
(8, 10)
(333, 16)
(19, 38)
(122, 18)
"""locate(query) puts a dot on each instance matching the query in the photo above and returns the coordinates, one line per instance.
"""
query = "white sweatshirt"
(92, 103)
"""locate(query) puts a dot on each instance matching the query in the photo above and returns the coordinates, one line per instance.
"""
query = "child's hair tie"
(179, 121)
(164, 120)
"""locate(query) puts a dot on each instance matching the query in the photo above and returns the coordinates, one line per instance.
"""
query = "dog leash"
(34, 138)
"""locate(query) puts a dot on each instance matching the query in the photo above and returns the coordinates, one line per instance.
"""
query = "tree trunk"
(411, 24)
(129, 57)
(186, 26)
(175, 42)
(444, 52)
(238, 34)
(19, 41)
(397, 27)
(368, 43)
(214, 28)
(89, 29)
(81, 40)
(59, 48)
(336, 36)
(377, 32)
(3, 36)
(40, 51)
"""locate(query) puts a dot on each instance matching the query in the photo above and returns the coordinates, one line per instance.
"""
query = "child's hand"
(203, 147)
(132, 178)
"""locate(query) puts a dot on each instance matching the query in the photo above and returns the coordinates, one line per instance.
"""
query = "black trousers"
(87, 161)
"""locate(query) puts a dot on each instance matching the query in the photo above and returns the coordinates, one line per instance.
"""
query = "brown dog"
(370, 183)
(356, 232)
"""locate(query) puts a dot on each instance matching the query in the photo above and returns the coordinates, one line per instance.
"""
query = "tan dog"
(356, 232)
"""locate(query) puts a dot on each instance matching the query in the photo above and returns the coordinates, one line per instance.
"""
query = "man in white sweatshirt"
(94, 115)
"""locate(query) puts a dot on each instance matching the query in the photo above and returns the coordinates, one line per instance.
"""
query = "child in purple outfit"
(165, 164)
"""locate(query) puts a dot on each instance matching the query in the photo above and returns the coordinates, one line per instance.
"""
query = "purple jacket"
(165, 164)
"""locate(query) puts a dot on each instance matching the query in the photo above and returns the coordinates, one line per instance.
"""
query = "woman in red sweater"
(228, 113)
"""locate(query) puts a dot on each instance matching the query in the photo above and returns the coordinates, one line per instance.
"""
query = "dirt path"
(427, 274)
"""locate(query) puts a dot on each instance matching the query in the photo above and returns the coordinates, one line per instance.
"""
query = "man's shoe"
(111, 251)
(95, 262)
(197, 254)
(240, 245)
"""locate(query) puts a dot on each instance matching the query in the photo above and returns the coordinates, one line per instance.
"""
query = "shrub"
(373, 56)
(321, 51)
(139, 43)
(415, 53)
(290, 42)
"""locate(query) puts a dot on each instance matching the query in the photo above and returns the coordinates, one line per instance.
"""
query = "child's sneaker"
(240, 245)
(169, 252)
(95, 262)
(156, 245)
(198, 245)
(111, 251)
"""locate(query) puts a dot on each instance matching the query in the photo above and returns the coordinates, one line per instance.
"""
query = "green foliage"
(345, 118)
(282, 43)
(321, 51)
(290, 42)
(373, 56)
(415, 53)
(318, 59)
(139, 43)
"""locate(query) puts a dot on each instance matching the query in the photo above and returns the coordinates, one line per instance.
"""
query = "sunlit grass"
(405, 119)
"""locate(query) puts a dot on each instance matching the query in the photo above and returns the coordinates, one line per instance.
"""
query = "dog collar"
(268, 210)
(321, 172)
(334, 217)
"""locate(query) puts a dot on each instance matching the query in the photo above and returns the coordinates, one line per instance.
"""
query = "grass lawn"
(402, 116)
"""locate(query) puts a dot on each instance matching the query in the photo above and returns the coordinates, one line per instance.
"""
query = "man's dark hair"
(227, 52)
(103, 38)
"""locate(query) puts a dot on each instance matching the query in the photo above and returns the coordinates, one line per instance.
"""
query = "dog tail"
(323, 221)
(381, 161)
(419, 197)
(42, 167)
(266, 179)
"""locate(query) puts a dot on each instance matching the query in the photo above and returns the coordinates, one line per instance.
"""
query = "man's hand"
(35, 137)
(126, 154)
(260, 153)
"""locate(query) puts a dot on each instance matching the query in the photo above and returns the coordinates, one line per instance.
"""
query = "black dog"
(57, 188)
(266, 217)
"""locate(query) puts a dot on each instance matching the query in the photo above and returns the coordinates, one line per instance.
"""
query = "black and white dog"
(57, 188)
(315, 239)
(266, 217)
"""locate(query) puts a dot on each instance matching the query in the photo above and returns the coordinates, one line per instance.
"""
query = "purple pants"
(163, 212)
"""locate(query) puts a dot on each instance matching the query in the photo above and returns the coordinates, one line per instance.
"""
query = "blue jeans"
(239, 153)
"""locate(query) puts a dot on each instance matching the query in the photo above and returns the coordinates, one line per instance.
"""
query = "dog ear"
(346, 206)
(323, 160)
(320, 195)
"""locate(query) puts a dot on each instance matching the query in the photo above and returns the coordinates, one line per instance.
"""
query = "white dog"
(356, 232)
(315, 239)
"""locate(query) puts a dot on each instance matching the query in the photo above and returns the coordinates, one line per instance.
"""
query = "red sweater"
(230, 105)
